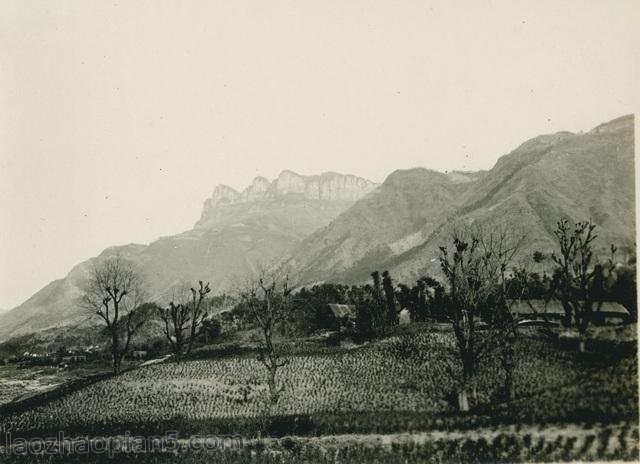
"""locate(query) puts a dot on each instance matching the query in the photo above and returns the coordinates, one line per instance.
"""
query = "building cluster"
(63, 357)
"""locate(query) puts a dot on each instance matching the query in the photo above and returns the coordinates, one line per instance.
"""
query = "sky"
(118, 119)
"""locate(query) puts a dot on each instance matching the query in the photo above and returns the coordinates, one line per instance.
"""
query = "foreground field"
(567, 406)
(405, 382)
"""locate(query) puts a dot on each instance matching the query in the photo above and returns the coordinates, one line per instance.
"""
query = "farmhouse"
(343, 313)
(139, 354)
(611, 313)
(404, 317)
(607, 312)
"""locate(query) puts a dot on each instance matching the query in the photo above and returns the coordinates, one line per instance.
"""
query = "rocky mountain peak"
(326, 186)
(258, 189)
(329, 186)
(289, 182)
(223, 194)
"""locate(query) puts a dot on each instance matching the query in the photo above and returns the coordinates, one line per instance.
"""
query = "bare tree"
(198, 311)
(579, 279)
(267, 300)
(475, 272)
(114, 292)
(176, 322)
(184, 316)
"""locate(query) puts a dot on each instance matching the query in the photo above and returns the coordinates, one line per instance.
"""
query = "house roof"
(554, 307)
(522, 307)
(342, 310)
(611, 307)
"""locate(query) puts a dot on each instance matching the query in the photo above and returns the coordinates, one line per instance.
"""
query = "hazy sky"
(118, 118)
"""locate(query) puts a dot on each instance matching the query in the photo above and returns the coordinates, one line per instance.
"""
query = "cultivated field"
(398, 384)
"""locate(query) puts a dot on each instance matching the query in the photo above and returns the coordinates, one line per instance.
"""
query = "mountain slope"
(577, 176)
(397, 216)
(237, 232)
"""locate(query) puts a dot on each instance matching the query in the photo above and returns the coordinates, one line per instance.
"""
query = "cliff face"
(287, 187)
(329, 186)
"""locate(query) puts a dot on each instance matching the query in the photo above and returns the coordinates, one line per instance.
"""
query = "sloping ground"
(578, 176)
(386, 387)
(589, 176)
(396, 217)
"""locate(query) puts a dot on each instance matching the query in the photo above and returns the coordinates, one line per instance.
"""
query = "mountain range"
(401, 225)
(338, 228)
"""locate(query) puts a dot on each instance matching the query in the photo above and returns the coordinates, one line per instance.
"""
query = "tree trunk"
(179, 349)
(273, 391)
(582, 345)
(467, 375)
(463, 400)
(508, 386)
(508, 364)
(115, 353)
